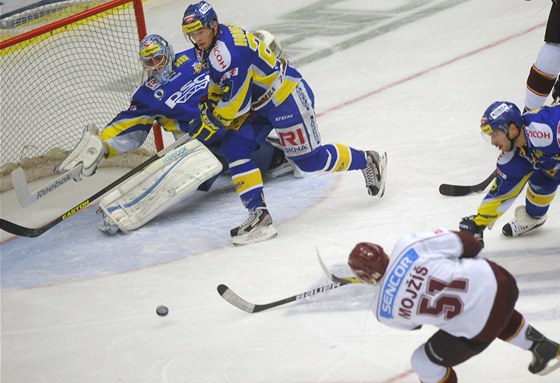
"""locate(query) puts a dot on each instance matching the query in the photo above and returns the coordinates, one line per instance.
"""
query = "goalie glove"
(468, 224)
(88, 153)
(210, 128)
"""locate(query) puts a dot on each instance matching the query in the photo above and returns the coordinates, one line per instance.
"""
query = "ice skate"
(279, 170)
(523, 223)
(258, 227)
(546, 353)
(375, 173)
(107, 226)
(287, 166)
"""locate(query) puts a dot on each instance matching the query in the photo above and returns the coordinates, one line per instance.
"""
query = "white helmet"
(269, 40)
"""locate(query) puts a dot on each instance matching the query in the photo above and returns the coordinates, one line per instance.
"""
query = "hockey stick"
(35, 232)
(458, 190)
(249, 307)
(332, 277)
(22, 187)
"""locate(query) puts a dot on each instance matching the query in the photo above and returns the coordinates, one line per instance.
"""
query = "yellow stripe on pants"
(245, 182)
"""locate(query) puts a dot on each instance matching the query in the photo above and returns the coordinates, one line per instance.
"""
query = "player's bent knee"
(428, 371)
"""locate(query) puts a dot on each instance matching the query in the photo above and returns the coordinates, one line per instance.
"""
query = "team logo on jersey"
(540, 135)
(558, 133)
(197, 67)
(153, 84)
(158, 94)
(229, 74)
(393, 282)
(220, 58)
(187, 91)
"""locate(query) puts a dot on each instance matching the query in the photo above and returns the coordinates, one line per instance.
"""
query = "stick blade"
(459, 190)
(234, 299)
(19, 181)
(333, 278)
(455, 190)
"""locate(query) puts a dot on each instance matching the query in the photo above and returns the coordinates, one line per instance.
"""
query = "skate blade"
(552, 365)
(262, 234)
(383, 161)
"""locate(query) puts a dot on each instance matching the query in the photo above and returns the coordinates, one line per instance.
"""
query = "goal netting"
(65, 64)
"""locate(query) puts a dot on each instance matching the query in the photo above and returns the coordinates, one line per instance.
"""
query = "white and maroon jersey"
(427, 283)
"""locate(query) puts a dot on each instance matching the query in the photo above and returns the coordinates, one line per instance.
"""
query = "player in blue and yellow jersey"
(530, 145)
(246, 76)
(172, 95)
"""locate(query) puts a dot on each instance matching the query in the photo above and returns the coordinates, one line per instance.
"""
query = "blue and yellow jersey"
(243, 72)
(542, 153)
(173, 105)
(542, 130)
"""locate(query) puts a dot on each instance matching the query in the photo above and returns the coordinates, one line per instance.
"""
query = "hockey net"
(65, 64)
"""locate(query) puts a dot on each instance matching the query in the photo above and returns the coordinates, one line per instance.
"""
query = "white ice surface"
(408, 77)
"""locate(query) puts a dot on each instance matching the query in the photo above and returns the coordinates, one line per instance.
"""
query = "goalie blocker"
(161, 185)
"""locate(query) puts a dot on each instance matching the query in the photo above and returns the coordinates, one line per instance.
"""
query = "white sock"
(520, 340)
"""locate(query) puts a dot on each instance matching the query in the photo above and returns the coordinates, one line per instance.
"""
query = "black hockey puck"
(162, 311)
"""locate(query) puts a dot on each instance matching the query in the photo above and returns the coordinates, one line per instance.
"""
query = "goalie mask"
(157, 56)
(369, 262)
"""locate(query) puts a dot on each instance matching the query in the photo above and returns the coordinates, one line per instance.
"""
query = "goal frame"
(140, 21)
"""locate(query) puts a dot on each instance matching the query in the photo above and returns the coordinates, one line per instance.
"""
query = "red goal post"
(65, 64)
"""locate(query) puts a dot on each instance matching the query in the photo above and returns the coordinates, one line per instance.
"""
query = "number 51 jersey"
(427, 282)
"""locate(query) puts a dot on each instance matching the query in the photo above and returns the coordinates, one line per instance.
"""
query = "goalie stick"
(459, 190)
(22, 187)
(35, 232)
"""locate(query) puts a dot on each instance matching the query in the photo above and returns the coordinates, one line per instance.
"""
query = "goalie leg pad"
(161, 185)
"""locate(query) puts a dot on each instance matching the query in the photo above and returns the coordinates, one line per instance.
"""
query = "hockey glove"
(89, 152)
(468, 224)
(210, 128)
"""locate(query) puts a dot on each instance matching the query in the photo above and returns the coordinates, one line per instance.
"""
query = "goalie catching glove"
(88, 153)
